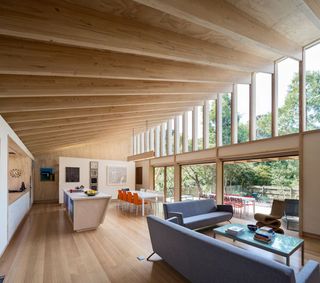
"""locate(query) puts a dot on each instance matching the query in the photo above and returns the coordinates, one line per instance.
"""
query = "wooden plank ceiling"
(77, 71)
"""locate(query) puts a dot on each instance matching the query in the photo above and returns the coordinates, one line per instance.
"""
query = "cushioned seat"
(198, 214)
(204, 220)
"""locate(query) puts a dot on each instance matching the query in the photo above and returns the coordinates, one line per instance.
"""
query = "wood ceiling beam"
(75, 142)
(22, 57)
(225, 18)
(41, 86)
(15, 118)
(66, 23)
(86, 133)
(311, 8)
(95, 119)
(59, 103)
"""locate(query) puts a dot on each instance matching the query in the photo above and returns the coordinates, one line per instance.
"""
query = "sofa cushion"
(190, 208)
(208, 219)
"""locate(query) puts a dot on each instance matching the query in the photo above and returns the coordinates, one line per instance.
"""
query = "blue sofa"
(198, 213)
(202, 259)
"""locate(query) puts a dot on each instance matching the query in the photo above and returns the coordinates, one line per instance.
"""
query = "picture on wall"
(47, 174)
(117, 175)
(72, 174)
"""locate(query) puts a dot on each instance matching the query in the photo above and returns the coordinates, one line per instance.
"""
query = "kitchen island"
(86, 212)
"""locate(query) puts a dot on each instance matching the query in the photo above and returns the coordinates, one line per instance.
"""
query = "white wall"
(5, 133)
(83, 164)
(16, 212)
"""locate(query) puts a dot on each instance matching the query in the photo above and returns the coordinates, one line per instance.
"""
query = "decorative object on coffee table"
(273, 219)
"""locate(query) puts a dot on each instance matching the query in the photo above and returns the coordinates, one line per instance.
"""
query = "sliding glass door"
(164, 182)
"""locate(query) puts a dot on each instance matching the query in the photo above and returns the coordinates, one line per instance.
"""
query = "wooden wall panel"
(49, 191)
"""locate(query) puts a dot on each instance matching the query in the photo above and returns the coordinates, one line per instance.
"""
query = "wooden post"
(219, 181)
(195, 127)
(219, 120)
(177, 182)
(151, 139)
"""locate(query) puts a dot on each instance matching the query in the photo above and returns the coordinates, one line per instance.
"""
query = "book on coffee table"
(235, 230)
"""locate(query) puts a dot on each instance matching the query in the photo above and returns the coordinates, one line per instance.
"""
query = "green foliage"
(313, 100)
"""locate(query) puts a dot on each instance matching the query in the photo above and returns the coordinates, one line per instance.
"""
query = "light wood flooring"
(45, 249)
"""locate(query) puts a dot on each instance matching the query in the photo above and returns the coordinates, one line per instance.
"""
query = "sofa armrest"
(179, 216)
(173, 219)
(225, 207)
(310, 273)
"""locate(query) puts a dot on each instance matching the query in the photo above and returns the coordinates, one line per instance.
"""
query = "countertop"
(83, 196)
(15, 196)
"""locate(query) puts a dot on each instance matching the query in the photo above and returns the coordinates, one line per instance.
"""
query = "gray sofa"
(198, 213)
(202, 259)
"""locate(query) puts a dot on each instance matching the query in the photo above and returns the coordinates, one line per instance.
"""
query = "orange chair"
(138, 201)
(129, 199)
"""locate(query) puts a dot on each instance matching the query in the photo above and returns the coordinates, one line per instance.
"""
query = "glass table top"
(281, 244)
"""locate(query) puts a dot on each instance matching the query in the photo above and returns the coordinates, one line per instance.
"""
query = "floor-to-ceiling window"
(312, 65)
(288, 96)
(200, 128)
(179, 133)
(164, 182)
(198, 181)
(190, 126)
(252, 185)
(263, 105)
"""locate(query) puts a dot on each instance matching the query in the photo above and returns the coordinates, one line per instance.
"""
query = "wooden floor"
(46, 250)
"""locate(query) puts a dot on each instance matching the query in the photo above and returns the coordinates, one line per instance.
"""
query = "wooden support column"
(275, 101)
(234, 115)
(219, 181)
(302, 95)
(195, 128)
(162, 140)
(252, 109)
(219, 120)
(185, 132)
(206, 125)
(176, 135)
(169, 137)
(177, 182)
(157, 141)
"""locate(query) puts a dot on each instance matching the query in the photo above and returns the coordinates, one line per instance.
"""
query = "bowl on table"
(91, 193)
(252, 227)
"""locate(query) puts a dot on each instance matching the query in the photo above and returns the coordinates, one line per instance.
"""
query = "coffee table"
(282, 245)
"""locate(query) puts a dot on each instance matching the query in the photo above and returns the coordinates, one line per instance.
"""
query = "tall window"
(243, 112)
(189, 130)
(159, 179)
(288, 97)
(179, 133)
(226, 118)
(212, 123)
(164, 145)
(200, 127)
(313, 87)
(263, 105)
(171, 137)
(157, 141)
(151, 139)
(142, 142)
(164, 182)
(198, 181)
